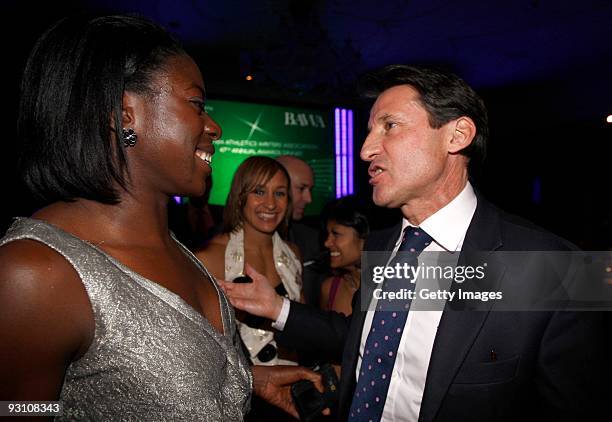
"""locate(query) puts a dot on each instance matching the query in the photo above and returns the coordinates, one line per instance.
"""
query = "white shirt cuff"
(281, 320)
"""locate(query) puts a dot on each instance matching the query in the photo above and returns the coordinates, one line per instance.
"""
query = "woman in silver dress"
(100, 307)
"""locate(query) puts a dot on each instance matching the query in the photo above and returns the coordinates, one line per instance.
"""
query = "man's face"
(408, 159)
(302, 181)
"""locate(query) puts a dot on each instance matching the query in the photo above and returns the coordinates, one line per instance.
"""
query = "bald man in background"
(304, 236)
(302, 182)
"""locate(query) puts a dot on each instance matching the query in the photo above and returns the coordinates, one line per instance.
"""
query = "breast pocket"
(488, 372)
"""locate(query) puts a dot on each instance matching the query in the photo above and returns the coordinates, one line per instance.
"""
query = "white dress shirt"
(447, 227)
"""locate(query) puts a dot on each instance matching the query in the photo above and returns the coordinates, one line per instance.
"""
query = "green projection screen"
(271, 130)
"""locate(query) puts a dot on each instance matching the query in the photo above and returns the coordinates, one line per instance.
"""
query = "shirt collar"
(448, 225)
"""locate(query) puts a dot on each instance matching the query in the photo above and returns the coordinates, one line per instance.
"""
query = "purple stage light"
(337, 151)
(344, 151)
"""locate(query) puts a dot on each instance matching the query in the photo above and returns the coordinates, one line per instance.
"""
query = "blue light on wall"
(343, 136)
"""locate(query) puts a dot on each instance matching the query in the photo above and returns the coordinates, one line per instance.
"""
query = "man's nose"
(307, 196)
(370, 148)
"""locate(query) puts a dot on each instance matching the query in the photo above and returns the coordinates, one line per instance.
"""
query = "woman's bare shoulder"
(50, 320)
(34, 275)
(220, 239)
(32, 260)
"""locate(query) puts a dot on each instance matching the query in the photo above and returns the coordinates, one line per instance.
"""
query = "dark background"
(544, 69)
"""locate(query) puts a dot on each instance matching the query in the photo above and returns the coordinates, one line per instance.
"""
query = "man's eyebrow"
(381, 118)
(386, 116)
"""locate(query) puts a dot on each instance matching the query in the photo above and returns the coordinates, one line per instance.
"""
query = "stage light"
(609, 118)
(249, 78)
(343, 137)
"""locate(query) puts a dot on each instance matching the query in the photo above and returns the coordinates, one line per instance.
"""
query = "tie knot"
(414, 240)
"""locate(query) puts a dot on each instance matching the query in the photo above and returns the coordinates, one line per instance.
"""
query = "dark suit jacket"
(546, 366)
(307, 240)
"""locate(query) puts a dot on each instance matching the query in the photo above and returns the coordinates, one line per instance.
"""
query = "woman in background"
(100, 307)
(256, 214)
(347, 229)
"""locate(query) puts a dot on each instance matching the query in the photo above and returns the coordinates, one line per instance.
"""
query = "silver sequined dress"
(153, 357)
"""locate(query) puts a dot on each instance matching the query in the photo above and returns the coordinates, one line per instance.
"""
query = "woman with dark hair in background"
(100, 307)
(347, 228)
(256, 214)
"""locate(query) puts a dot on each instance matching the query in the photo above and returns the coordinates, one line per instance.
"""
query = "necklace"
(351, 282)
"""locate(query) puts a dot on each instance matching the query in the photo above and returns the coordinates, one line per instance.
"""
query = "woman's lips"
(266, 216)
(204, 156)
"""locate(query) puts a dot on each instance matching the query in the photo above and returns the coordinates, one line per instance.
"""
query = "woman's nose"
(328, 242)
(270, 201)
(211, 127)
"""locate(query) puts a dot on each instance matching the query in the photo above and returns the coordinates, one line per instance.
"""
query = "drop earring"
(129, 137)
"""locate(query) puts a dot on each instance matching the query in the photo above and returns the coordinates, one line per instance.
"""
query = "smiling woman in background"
(100, 307)
(347, 228)
(258, 208)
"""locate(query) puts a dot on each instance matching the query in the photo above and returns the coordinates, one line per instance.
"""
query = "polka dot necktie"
(385, 334)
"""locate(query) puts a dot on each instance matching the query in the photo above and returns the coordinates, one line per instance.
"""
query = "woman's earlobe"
(130, 105)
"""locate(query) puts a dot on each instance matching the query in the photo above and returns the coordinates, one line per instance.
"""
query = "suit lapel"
(458, 329)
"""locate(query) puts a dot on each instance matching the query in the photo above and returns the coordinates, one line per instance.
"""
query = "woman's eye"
(281, 194)
(200, 105)
(259, 192)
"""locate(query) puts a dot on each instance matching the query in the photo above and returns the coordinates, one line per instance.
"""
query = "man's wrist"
(283, 314)
(278, 306)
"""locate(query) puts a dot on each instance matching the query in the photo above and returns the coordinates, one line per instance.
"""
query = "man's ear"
(464, 131)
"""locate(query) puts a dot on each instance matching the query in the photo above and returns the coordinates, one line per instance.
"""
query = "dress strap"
(333, 290)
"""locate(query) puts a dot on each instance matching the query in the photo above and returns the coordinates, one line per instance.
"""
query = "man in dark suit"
(446, 364)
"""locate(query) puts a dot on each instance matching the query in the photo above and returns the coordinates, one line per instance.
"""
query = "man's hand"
(257, 298)
(273, 383)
